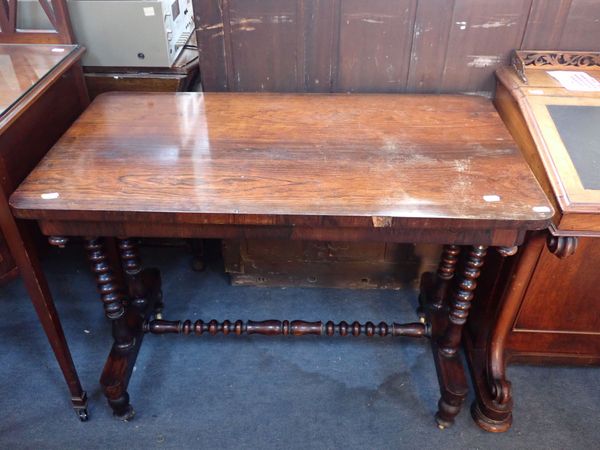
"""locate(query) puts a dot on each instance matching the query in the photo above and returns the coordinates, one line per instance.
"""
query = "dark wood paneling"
(563, 25)
(431, 31)
(211, 44)
(380, 45)
(483, 33)
(546, 24)
(582, 29)
(322, 19)
(264, 41)
(375, 44)
(563, 309)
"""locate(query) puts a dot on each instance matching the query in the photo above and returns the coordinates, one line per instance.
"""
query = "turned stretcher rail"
(285, 327)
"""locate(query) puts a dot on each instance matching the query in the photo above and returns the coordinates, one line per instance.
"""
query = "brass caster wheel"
(441, 423)
(128, 415)
(82, 414)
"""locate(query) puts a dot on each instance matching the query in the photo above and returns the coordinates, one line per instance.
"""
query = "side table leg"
(451, 374)
(434, 288)
(23, 250)
(114, 376)
(492, 408)
(445, 273)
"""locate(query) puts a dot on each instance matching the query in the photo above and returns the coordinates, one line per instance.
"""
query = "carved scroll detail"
(522, 59)
(574, 59)
(501, 391)
(562, 246)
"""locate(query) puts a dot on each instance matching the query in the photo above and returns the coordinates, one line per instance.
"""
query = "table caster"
(82, 414)
(441, 423)
(128, 415)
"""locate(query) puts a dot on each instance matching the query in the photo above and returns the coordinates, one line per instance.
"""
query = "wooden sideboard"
(548, 307)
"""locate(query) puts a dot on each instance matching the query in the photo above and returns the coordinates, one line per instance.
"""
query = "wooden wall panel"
(264, 37)
(582, 29)
(210, 36)
(545, 25)
(380, 45)
(482, 36)
(375, 44)
(321, 39)
(430, 37)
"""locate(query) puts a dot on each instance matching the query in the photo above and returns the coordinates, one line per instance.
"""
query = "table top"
(241, 158)
(23, 66)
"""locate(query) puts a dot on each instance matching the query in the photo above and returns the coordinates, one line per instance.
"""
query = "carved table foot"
(492, 409)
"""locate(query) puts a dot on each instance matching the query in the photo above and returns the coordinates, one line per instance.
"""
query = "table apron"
(484, 236)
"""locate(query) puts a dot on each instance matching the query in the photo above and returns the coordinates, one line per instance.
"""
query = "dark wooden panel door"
(563, 295)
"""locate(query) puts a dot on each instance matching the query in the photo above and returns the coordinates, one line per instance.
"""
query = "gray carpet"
(259, 392)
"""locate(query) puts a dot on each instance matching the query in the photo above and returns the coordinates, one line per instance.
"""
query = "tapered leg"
(25, 255)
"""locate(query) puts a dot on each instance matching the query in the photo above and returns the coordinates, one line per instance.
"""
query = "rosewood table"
(398, 168)
(41, 93)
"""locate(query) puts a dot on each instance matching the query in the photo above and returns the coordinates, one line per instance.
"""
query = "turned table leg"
(128, 307)
(113, 298)
(452, 381)
(445, 273)
(140, 282)
(434, 288)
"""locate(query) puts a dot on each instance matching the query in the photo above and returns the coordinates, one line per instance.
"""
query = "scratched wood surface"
(379, 45)
(310, 159)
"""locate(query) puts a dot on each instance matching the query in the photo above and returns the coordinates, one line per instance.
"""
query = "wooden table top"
(22, 66)
(373, 159)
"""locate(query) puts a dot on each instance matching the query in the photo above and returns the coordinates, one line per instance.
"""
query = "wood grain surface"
(379, 45)
(346, 160)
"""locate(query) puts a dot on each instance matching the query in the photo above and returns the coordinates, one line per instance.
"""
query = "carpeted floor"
(259, 392)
